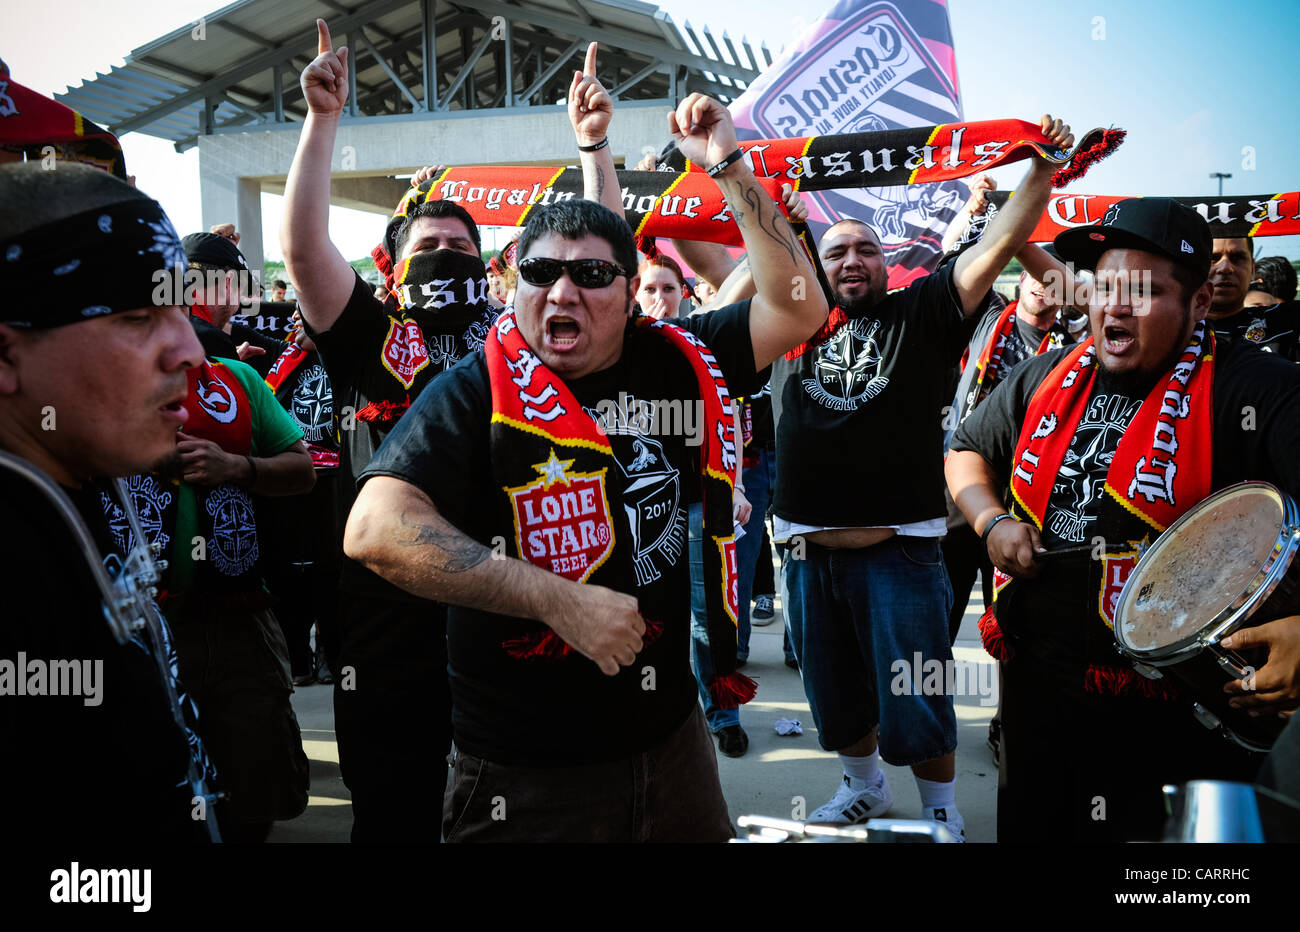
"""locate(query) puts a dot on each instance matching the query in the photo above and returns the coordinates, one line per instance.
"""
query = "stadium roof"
(237, 69)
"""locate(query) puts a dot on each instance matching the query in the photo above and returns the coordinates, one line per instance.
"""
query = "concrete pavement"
(766, 781)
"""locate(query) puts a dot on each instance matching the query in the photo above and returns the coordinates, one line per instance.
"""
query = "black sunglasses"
(585, 273)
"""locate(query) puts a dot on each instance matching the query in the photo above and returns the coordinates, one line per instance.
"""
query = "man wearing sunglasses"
(561, 549)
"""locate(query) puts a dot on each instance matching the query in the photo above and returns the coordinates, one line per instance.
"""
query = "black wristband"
(984, 538)
(252, 472)
(596, 148)
(726, 163)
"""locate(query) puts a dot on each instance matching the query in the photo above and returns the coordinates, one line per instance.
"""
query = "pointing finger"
(323, 44)
(589, 68)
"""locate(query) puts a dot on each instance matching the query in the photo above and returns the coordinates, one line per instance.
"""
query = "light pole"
(1220, 176)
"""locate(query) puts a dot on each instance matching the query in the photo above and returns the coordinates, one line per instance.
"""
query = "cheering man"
(574, 705)
(1105, 445)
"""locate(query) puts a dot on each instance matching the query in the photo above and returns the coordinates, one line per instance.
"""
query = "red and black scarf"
(552, 461)
(990, 368)
(1161, 468)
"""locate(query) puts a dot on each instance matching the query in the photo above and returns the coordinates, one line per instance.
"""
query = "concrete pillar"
(231, 199)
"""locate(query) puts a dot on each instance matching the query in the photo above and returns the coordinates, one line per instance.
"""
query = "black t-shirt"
(99, 773)
(1256, 437)
(760, 409)
(859, 419)
(215, 341)
(1273, 329)
(557, 712)
(1256, 431)
(352, 353)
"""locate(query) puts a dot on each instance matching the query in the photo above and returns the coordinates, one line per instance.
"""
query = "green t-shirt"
(273, 432)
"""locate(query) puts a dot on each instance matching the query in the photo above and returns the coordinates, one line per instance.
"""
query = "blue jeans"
(854, 614)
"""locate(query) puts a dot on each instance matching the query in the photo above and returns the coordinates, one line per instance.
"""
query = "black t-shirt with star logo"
(859, 419)
(545, 711)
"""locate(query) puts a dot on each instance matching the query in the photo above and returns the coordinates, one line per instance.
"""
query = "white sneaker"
(853, 807)
(953, 823)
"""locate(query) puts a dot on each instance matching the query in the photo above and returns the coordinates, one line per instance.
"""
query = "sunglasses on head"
(585, 273)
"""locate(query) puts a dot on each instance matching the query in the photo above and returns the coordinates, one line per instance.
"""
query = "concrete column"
(230, 199)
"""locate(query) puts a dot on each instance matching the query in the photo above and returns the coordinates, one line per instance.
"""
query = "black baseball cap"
(1151, 224)
(211, 249)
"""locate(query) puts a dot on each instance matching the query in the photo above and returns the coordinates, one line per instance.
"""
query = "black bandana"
(102, 261)
(443, 291)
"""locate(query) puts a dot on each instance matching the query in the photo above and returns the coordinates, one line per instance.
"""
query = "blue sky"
(1192, 82)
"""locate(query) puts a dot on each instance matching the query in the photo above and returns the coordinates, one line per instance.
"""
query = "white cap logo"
(1187, 248)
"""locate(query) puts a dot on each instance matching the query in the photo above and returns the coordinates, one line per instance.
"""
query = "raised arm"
(321, 276)
(396, 531)
(736, 283)
(788, 306)
(979, 266)
(1053, 273)
(590, 110)
(975, 206)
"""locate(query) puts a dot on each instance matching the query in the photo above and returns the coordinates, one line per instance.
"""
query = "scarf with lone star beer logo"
(989, 370)
(1160, 469)
(551, 460)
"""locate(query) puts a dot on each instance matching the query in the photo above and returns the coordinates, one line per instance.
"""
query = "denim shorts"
(853, 614)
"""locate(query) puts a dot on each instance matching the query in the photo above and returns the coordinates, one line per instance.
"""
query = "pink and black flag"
(868, 65)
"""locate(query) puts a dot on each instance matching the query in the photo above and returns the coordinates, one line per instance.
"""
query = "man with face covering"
(391, 682)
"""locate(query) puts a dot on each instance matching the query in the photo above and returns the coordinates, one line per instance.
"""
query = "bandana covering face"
(551, 461)
(441, 290)
(437, 302)
(98, 262)
(1161, 468)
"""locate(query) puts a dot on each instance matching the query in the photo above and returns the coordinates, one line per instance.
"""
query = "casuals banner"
(1246, 215)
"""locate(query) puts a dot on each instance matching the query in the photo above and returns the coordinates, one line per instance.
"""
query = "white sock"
(938, 794)
(862, 771)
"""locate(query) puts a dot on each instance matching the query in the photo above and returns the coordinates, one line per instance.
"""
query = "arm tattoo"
(451, 550)
(600, 184)
(771, 225)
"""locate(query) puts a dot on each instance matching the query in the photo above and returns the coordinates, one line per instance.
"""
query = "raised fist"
(703, 130)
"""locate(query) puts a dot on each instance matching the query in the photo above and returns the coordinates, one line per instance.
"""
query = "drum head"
(1199, 567)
